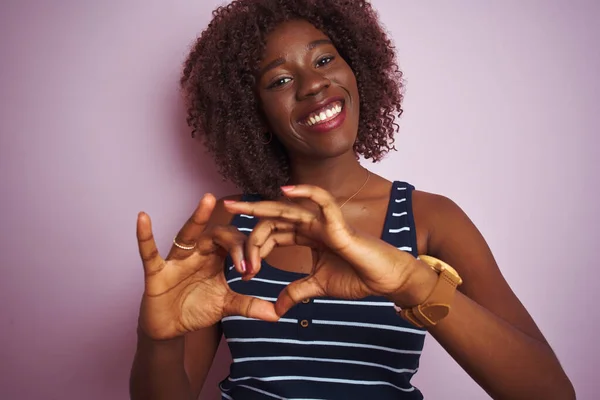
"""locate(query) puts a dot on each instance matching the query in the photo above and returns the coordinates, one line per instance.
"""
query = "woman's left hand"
(347, 264)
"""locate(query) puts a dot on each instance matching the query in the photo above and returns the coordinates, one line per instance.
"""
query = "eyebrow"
(280, 61)
(319, 42)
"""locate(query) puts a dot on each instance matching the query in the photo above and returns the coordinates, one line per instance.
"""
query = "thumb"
(297, 291)
(250, 307)
(151, 259)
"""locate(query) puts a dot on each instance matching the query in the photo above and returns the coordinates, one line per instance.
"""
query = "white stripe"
(405, 248)
(400, 200)
(367, 325)
(240, 318)
(329, 360)
(319, 379)
(271, 394)
(226, 396)
(270, 281)
(356, 303)
(265, 298)
(263, 392)
(404, 229)
(402, 188)
(323, 343)
(402, 214)
(232, 267)
(261, 280)
(245, 229)
(246, 216)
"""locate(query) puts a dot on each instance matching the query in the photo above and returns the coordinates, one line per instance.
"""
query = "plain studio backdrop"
(501, 115)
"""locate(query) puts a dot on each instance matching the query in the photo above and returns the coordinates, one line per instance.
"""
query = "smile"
(324, 115)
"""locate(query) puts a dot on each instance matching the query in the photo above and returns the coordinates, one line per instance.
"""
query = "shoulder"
(432, 207)
(442, 223)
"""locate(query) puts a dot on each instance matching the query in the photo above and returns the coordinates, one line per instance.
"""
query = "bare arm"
(175, 369)
(488, 332)
(200, 350)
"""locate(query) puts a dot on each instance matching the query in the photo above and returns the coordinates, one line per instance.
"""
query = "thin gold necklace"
(354, 195)
(358, 191)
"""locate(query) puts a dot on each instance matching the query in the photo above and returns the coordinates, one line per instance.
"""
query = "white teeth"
(323, 115)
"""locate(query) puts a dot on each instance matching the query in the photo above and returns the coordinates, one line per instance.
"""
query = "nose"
(311, 84)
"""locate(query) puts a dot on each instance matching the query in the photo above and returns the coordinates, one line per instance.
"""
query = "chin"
(332, 147)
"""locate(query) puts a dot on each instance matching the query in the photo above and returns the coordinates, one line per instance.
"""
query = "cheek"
(277, 112)
(348, 73)
(353, 83)
(347, 79)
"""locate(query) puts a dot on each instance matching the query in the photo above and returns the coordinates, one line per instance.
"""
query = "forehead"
(290, 34)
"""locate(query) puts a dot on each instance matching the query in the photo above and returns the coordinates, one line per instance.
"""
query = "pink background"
(501, 115)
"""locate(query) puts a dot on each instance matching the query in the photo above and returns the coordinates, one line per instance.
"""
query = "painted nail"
(229, 201)
(243, 265)
(287, 188)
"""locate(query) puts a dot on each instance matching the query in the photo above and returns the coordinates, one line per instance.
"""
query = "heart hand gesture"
(346, 263)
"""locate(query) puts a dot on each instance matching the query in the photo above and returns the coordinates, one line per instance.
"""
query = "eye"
(324, 61)
(279, 82)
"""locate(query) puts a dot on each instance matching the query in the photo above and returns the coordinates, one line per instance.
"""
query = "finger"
(338, 232)
(249, 307)
(190, 232)
(272, 209)
(151, 259)
(268, 234)
(326, 202)
(281, 239)
(297, 291)
(232, 241)
(259, 237)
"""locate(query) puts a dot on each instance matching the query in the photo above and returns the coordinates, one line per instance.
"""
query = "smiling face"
(308, 92)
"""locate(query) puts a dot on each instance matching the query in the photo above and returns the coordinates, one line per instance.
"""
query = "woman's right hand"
(187, 291)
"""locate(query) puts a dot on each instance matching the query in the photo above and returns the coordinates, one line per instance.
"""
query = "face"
(307, 92)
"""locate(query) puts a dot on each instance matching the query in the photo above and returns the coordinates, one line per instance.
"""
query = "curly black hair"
(219, 76)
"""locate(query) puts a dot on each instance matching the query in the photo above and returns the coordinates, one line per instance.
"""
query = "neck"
(341, 176)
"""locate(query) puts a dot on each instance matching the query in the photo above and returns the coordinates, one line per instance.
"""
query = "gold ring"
(182, 246)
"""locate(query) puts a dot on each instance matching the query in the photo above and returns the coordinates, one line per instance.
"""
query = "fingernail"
(229, 201)
(243, 265)
(287, 188)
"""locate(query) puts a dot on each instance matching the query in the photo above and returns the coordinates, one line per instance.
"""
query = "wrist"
(418, 286)
(144, 336)
(167, 349)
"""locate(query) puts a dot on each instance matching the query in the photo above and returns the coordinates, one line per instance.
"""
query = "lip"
(321, 104)
(329, 125)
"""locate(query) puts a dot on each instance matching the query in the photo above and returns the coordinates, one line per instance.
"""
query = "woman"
(313, 274)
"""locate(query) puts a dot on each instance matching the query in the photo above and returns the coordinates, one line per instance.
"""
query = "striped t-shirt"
(324, 348)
